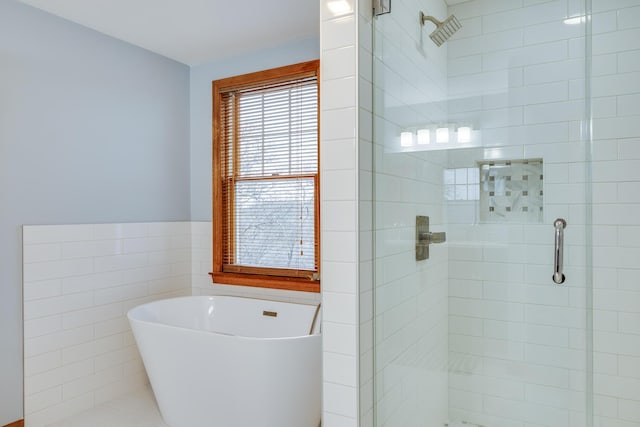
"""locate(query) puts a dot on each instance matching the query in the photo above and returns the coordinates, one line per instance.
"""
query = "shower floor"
(134, 410)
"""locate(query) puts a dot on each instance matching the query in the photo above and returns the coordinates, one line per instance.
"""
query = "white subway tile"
(168, 228)
(92, 248)
(88, 350)
(42, 326)
(35, 234)
(42, 289)
(339, 369)
(555, 316)
(56, 305)
(628, 61)
(626, 388)
(338, 63)
(606, 149)
(116, 358)
(629, 236)
(119, 262)
(604, 22)
(57, 269)
(467, 10)
(87, 384)
(340, 154)
(551, 32)
(618, 41)
(41, 252)
(616, 84)
(339, 246)
(336, 420)
(338, 32)
(91, 315)
(471, 27)
(526, 372)
(621, 170)
(465, 326)
(466, 65)
(628, 105)
(87, 283)
(38, 401)
(554, 112)
(57, 340)
(342, 124)
(339, 308)
(339, 93)
(500, 387)
(42, 362)
(606, 64)
(465, 400)
(121, 293)
(111, 327)
(119, 231)
(629, 410)
(629, 148)
(340, 399)
(556, 356)
(54, 377)
(540, 53)
(339, 215)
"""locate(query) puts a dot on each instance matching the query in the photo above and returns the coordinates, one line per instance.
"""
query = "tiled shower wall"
(616, 212)
(410, 298)
(517, 345)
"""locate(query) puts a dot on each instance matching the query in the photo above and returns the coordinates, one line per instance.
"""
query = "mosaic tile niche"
(511, 191)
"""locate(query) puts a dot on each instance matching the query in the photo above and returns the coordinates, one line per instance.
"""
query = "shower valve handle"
(424, 237)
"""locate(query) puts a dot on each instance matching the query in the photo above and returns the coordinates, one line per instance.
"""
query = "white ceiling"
(193, 31)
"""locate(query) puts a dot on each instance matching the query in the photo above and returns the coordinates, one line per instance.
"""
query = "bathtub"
(231, 362)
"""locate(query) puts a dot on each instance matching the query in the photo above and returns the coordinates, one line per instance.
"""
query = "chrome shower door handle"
(559, 226)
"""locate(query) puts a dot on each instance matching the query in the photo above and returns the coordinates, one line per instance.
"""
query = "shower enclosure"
(483, 159)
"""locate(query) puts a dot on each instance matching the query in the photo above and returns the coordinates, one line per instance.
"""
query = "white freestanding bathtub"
(231, 362)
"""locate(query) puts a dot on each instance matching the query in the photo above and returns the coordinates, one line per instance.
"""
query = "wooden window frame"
(263, 277)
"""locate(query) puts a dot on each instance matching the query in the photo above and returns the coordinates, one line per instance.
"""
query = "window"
(265, 179)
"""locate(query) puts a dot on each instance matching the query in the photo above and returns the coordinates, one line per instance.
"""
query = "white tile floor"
(134, 410)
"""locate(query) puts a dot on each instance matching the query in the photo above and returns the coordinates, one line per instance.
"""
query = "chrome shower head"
(443, 30)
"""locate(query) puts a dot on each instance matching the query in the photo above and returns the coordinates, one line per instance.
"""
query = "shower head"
(443, 30)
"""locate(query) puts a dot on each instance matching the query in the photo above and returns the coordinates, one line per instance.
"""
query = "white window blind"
(270, 176)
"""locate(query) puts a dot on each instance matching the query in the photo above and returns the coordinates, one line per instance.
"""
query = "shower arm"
(430, 18)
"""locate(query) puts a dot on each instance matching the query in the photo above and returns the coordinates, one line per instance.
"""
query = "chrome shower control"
(424, 237)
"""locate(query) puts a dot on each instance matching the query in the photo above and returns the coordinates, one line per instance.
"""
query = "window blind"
(269, 137)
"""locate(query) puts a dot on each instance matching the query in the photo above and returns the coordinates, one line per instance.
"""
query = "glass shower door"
(480, 146)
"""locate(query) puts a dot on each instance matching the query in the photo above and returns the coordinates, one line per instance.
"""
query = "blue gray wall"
(91, 130)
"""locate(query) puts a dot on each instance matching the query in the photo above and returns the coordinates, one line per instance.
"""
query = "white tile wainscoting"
(79, 283)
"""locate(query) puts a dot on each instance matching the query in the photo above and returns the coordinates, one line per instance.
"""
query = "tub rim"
(132, 318)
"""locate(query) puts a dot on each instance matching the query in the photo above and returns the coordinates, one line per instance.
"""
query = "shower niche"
(498, 190)
(511, 190)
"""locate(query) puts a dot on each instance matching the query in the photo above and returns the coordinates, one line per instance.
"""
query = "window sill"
(271, 282)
